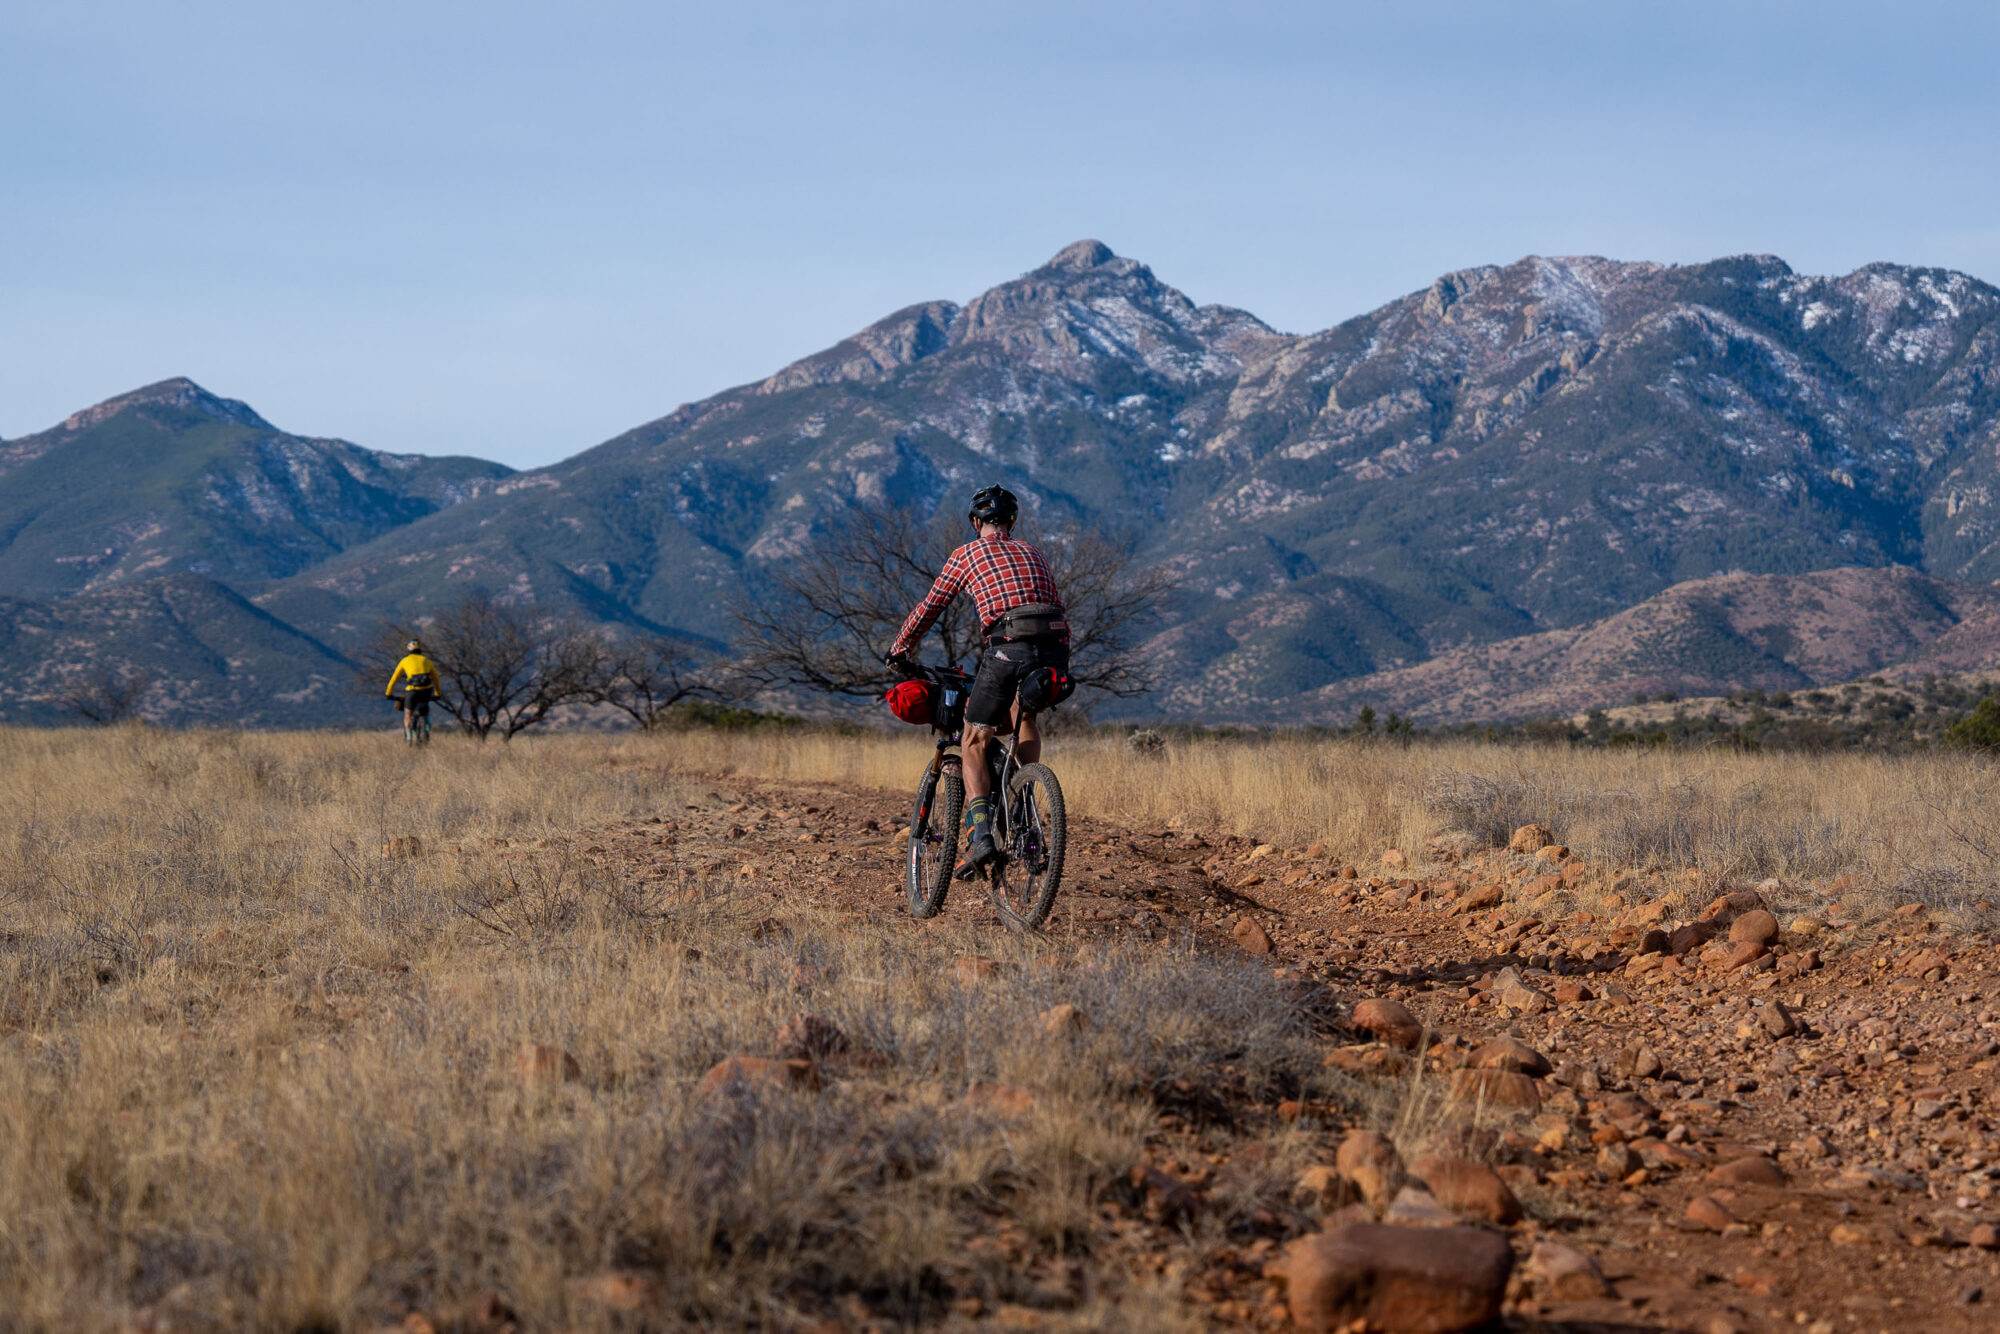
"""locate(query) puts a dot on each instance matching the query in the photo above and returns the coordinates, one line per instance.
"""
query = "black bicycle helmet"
(994, 504)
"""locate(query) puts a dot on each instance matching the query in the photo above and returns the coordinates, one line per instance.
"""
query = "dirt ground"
(1870, 1202)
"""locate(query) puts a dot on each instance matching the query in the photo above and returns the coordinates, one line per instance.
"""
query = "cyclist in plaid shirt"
(1021, 613)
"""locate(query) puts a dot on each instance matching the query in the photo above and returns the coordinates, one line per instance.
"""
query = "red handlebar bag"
(913, 701)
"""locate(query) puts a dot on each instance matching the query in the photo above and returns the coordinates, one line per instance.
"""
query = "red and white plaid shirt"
(1001, 573)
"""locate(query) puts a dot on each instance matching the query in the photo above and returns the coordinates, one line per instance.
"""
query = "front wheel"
(933, 839)
(1026, 879)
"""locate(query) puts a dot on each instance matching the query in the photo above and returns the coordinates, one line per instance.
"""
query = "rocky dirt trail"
(1673, 1107)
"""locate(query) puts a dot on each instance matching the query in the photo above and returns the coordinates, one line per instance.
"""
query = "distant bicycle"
(420, 677)
(1029, 827)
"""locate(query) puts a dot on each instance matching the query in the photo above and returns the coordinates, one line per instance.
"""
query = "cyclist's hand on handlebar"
(901, 662)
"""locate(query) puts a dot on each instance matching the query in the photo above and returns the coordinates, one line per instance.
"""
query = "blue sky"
(516, 230)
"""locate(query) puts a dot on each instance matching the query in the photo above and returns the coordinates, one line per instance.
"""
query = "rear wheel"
(934, 821)
(1026, 879)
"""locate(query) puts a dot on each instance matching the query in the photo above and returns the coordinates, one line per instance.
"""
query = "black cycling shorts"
(418, 702)
(1002, 668)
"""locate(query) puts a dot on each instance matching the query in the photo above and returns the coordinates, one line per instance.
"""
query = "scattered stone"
(1756, 926)
(761, 1074)
(1777, 1020)
(1554, 852)
(1371, 1163)
(1478, 898)
(1507, 1054)
(1437, 1280)
(1395, 858)
(1061, 1020)
(1616, 1161)
(1469, 1189)
(1566, 1274)
(1569, 991)
(1496, 1088)
(1691, 937)
(1803, 925)
(1740, 954)
(1250, 937)
(1721, 909)
(1416, 1207)
(1706, 1211)
(1640, 1062)
(1845, 1234)
(1984, 1236)
(1389, 1021)
(536, 1063)
(1518, 996)
(1654, 941)
(809, 1037)
(1754, 1170)
(1530, 838)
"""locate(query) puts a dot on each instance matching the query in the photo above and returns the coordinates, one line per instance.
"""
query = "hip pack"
(1032, 620)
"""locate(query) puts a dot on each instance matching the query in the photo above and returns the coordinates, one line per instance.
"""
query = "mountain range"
(1544, 448)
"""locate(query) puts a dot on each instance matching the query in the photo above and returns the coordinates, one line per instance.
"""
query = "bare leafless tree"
(504, 669)
(644, 678)
(106, 695)
(827, 614)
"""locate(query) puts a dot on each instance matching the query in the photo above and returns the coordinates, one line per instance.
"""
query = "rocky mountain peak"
(178, 392)
(1081, 255)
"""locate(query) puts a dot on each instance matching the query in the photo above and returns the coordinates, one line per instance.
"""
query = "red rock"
(759, 1073)
(809, 1037)
(1565, 1274)
(1569, 991)
(1435, 1280)
(1468, 1189)
(1691, 937)
(1740, 954)
(1727, 906)
(1754, 1170)
(1250, 937)
(536, 1063)
(1707, 1211)
(1554, 852)
(1479, 897)
(1496, 1088)
(1776, 1020)
(1530, 838)
(1390, 1022)
(1507, 1054)
(1755, 926)
(1984, 1236)
(1371, 1163)
(1654, 941)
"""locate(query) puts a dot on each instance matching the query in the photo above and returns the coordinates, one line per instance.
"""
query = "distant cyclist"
(1026, 629)
(420, 679)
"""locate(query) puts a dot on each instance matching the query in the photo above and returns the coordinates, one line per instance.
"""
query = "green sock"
(979, 816)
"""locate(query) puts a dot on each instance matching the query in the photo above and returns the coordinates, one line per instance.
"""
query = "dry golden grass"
(1900, 827)
(258, 1075)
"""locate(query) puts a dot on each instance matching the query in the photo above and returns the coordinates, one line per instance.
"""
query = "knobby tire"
(1034, 812)
(933, 851)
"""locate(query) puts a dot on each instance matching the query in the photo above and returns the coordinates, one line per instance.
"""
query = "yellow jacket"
(419, 673)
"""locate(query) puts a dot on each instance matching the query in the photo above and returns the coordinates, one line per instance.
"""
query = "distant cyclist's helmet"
(414, 646)
(995, 504)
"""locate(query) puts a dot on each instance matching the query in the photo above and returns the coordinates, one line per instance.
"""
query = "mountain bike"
(419, 735)
(1029, 827)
